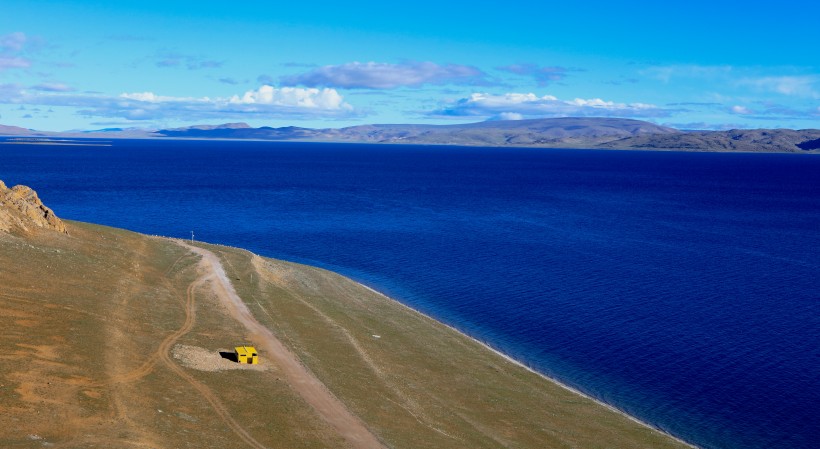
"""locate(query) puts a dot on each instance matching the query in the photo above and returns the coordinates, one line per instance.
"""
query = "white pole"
(192, 236)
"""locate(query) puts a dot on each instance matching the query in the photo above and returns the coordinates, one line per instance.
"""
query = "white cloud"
(510, 116)
(311, 98)
(141, 96)
(601, 104)
(150, 97)
(266, 102)
(742, 110)
(379, 75)
(531, 105)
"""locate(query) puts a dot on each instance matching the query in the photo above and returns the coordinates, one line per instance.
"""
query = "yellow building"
(246, 354)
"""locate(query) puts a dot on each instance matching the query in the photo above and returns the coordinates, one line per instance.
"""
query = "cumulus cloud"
(312, 98)
(530, 105)
(265, 102)
(379, 75)
(741, 110)
(510, 116)
(542, 75)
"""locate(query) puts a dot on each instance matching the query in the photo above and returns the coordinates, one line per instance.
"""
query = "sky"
(86, 65)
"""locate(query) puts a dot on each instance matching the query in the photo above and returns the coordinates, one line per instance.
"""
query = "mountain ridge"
(563, 132)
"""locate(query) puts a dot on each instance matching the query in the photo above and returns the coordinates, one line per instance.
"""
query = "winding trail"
(303, 382)
(150, 363)
(204, 391)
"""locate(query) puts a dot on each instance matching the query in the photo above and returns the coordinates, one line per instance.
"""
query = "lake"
(682, 288)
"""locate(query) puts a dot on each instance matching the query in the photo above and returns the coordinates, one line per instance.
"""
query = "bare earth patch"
(203, 359)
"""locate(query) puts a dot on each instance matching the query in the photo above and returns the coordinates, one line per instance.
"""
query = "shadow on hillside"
(229, 356)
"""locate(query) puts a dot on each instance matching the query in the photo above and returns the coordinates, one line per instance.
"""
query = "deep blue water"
(683, 288)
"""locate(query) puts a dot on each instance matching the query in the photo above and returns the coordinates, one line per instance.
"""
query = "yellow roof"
(245, 350)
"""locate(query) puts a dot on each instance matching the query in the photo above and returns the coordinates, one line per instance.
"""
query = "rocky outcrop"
(22, 210)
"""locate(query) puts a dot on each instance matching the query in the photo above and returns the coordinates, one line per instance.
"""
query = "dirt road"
(313, 391)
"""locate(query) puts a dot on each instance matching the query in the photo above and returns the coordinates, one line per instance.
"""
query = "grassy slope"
(421, 384)
(86, 319)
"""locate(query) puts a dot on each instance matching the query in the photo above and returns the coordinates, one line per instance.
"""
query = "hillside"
(115, 339)
(537, 132)
(567, 132)
(16, 131)
(746, 140)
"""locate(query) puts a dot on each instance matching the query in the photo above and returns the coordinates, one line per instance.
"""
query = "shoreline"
(521, 364)
(483, 344)
(398, 143)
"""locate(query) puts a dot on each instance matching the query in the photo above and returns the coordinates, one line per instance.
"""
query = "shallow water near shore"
(680, 287)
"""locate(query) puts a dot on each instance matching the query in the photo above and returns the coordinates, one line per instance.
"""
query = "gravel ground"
(210, 360)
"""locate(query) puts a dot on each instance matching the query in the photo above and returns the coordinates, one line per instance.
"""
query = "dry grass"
(419, 384)
(84, 319)
(90, 321)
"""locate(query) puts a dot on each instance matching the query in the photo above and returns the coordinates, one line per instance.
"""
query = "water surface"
(681, 287)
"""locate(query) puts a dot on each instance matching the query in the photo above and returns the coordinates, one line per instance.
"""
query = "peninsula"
(117, 339)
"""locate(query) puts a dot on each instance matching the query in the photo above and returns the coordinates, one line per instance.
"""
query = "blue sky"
(151, 64)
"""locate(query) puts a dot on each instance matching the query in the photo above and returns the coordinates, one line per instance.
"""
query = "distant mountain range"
(569, 132)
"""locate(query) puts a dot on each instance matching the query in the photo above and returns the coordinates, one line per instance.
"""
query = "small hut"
(246, 354)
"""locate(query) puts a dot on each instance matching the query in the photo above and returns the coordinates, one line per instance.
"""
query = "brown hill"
(6, 130)
(550, 132)
(113, 339)
(744, 140)
(561, 132)
(22, 211)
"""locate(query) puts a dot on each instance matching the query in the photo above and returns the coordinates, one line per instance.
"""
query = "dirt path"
(204, 391)
(313, 391)
(147, 367)
(163, 354)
